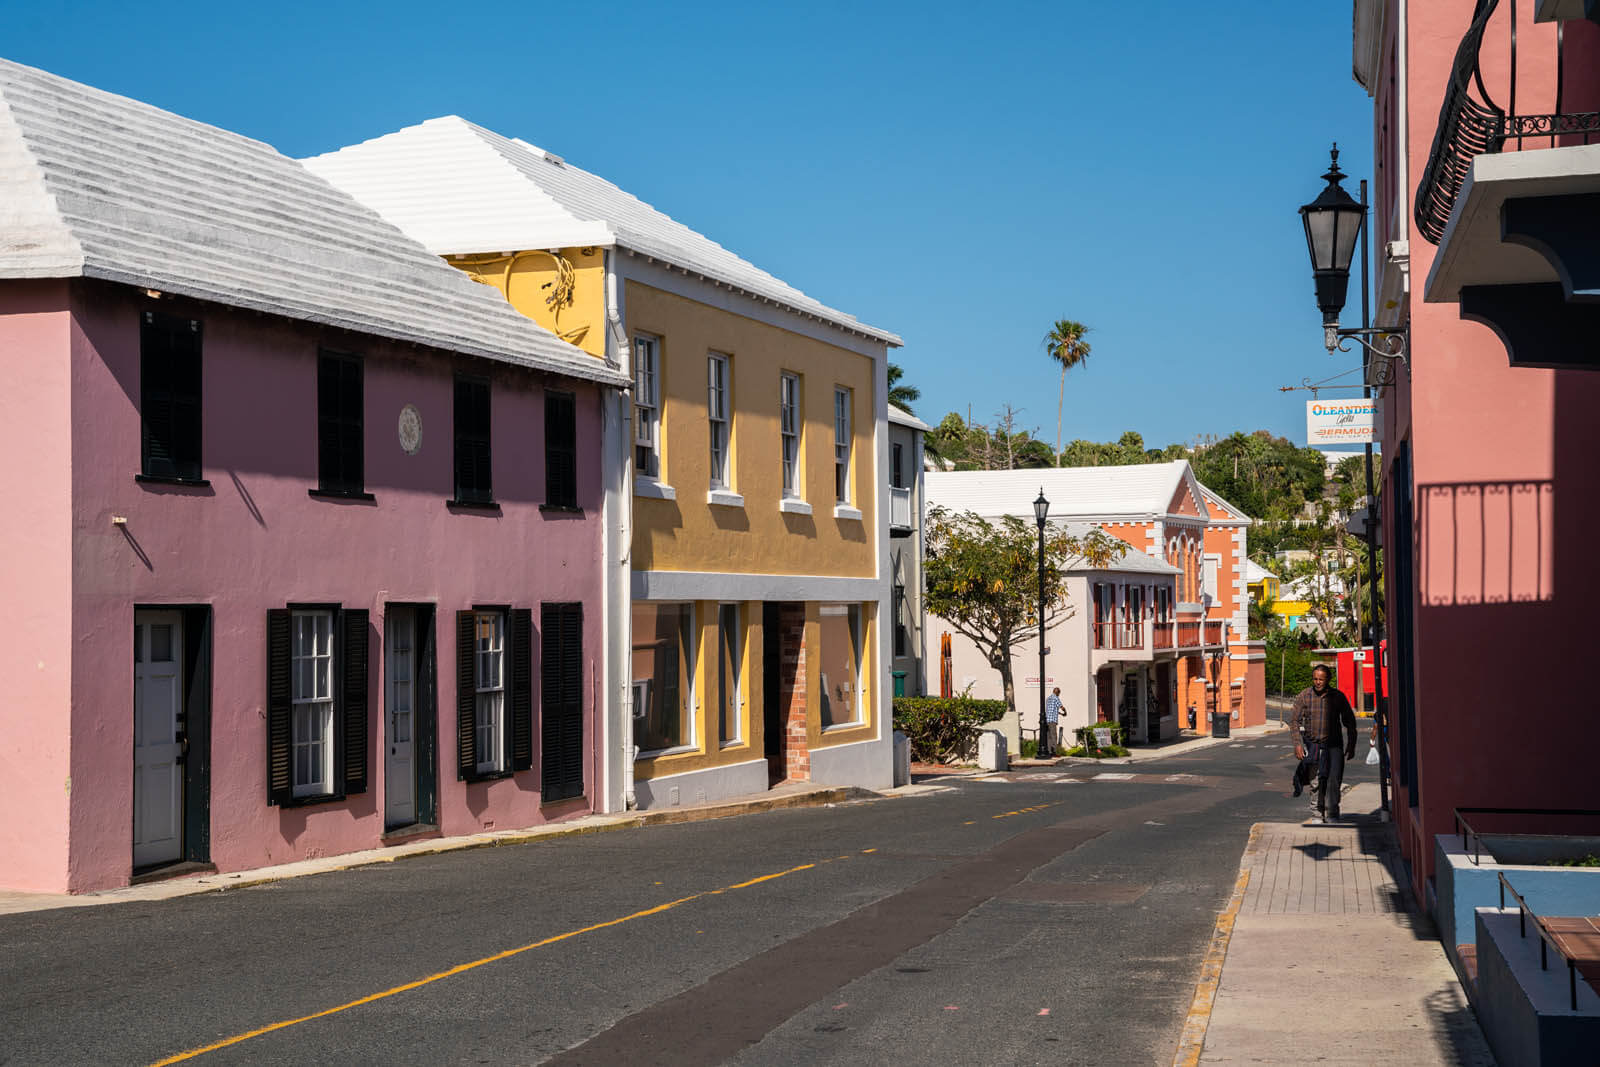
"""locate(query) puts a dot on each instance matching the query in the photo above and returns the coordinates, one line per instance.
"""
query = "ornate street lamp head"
(1041, 508)
(1332, 223)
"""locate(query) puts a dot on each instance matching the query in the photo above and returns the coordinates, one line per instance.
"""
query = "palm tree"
(900, 395)
(1065, 344)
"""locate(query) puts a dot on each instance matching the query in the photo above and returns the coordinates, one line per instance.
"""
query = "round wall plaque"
(410, 429)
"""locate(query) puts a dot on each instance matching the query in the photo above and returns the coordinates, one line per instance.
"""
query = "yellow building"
(746, 563)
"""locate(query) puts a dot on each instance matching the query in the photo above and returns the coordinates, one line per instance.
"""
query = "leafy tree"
(902, 395)
(977, 447)
(982, 578)
(1065, 344)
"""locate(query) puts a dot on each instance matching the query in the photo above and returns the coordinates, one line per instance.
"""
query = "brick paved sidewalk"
(1326, 961)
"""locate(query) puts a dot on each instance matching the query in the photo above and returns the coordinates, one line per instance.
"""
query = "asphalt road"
(1048, 918)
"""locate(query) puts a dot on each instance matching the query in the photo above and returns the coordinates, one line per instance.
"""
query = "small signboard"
(1032, 681)
(1102, 738)
(1330, 423)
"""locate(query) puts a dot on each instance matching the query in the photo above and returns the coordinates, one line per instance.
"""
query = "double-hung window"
(719, 418)
(489, 689)
(474, 482)
(312, 730)
(340, 458)
(730, 654)
(789, 431)
(169, 398)
(494, 692)
(841, 445)
(840, 671)
(316, 703)
(560, 450)
(646, 407)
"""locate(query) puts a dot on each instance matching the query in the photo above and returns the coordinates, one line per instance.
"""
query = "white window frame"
(489, 689)
(689, 683)
(647, 406)
(789, 433)
(735, 649)
(311, 674)
(719, 420)
(842, 445)
(1211, 577)
(854, 626)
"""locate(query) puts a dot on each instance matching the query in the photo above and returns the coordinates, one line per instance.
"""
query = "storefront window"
(663, 674)
(841, 664)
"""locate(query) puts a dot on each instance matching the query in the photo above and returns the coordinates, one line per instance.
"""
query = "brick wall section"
(792, 691)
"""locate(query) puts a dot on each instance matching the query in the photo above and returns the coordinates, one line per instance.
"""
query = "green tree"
(982, 578)
(902, 395)
(1065, 344)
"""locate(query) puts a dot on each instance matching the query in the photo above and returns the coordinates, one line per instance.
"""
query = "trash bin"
(899, 683)
(1219, 724)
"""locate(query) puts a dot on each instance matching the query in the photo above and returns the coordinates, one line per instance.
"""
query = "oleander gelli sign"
(1341, 422)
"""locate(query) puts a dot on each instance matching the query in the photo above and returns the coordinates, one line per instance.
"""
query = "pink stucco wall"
(254, 541)
(36, 635)
(1505, 488)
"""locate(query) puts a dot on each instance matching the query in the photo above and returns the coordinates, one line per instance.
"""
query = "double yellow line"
(462, 968)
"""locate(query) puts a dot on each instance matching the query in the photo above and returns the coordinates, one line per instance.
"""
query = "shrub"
(943, 729)
(1030, 750)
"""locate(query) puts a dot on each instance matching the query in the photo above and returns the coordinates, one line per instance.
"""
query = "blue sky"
(962, 174)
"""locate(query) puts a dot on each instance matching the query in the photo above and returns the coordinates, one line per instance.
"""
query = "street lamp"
(1041, 509)
(1332, 223)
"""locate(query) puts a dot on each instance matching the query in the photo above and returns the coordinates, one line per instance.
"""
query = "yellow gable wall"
(566, 297)
(688, 534)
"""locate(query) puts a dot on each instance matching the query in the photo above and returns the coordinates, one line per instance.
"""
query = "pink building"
(303, 527)
(1485, 245)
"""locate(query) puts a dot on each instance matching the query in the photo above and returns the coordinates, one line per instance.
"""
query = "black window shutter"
(562, 689)
(169, 396)
(339, 424)
(474, 484)
(353, 709)
(466, 700)
(561, 450)
(280, 779)
(520, 733)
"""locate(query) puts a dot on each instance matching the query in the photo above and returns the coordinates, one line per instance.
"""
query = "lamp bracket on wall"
(1392, 343)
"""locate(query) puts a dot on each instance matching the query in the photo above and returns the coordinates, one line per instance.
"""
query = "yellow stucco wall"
(534, 276)
(708, 750)
(688, 534)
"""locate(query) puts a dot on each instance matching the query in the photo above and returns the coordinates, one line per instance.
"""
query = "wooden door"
(157, 737)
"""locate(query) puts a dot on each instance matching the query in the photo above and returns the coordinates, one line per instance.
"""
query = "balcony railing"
(900, 508)
(1214, 633)
(1161, 635)
(1472, 124)
(1119, 635)
(1189, 634)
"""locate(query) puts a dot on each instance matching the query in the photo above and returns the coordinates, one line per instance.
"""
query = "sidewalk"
(789, 795)
(1178, 746)
(1317, 956)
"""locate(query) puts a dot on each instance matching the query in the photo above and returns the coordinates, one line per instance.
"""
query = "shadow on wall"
(1486, 542)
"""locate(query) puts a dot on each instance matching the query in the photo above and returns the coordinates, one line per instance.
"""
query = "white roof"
(1221, 510)
(459, 188)
(1141, 490)
(96, 185)
(902, 417)
(1255, 572)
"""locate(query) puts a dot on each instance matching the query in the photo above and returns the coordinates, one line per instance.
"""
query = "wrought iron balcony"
(1472, 124)
(1119, 635)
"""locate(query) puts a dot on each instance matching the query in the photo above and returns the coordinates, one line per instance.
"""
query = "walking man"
(1052, 715)
(1322, 716)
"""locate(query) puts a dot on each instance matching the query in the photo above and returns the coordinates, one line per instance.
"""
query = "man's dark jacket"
(1325, 718)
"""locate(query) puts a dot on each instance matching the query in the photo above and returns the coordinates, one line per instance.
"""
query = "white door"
(157, 711)
(399, 766)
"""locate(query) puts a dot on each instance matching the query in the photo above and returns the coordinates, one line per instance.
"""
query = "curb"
(1193, 1041)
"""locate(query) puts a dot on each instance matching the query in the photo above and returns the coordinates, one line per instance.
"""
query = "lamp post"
(1041, 509)
(1332, 223)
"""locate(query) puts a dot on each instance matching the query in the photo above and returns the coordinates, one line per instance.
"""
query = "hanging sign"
(1342, 422)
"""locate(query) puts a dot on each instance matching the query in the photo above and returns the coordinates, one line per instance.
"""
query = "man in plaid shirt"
(1322, 716)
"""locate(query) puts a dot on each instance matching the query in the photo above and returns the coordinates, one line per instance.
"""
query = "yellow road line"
(462, 968)
(1193, 1041)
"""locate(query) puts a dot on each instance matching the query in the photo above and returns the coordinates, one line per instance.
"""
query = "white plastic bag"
(1372, 753)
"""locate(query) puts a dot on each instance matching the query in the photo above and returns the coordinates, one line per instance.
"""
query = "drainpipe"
(618, 547)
